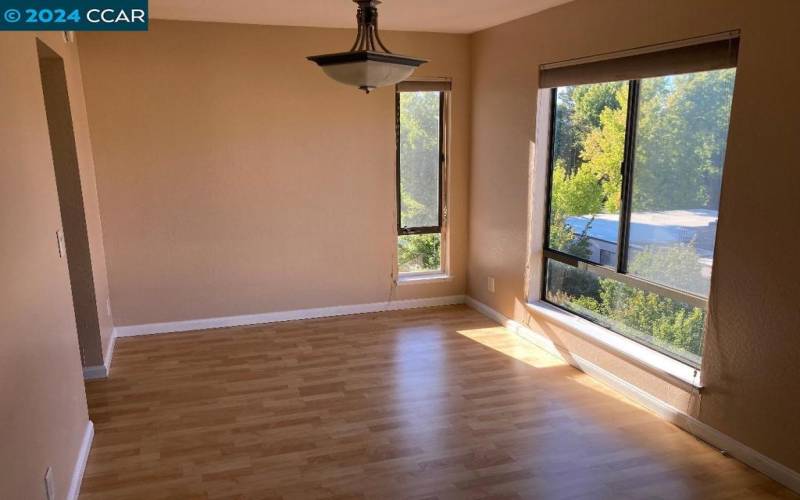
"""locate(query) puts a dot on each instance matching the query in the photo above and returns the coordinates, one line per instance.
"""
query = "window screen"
(420, 161)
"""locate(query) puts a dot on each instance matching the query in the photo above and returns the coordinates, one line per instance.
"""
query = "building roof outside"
(667, 227)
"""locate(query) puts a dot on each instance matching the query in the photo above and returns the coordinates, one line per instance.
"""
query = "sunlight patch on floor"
(505, 342)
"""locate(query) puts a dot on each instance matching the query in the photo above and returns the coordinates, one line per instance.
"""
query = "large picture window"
(421, 177)
(634, 182)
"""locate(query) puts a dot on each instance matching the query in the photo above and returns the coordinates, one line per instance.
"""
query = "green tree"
(677, 266)
(588, 181)
(670, 323)
(666, 321)
(419, 195)
(577, 113)
(578, 194)
(604, 150)
(682, 126)
(564, 239)
(680, 140)
(419, 158)
(419, 252)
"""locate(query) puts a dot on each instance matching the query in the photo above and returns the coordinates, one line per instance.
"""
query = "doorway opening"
(70, 200)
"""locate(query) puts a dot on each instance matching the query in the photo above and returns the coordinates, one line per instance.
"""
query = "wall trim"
(99, 372)
(80, 463)
(676, 372)
(715, 438)
(110, 351)
(275, 317)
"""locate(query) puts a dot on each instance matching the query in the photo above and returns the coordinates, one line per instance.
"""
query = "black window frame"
(437, 229)
(619, 272)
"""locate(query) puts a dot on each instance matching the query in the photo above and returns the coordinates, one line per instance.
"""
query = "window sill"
(649, 359)
(421, 278)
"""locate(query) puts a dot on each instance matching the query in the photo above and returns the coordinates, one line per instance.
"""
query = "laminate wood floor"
(428, 403)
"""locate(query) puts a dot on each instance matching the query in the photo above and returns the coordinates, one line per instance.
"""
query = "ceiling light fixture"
(368, 64)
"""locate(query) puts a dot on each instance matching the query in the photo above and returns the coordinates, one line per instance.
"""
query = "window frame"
(417, 230)
(442, 273)
(619, 272)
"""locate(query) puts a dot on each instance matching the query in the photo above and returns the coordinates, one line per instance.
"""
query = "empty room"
(399, 249)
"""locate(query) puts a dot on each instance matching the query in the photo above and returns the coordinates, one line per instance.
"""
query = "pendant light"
(368, 64)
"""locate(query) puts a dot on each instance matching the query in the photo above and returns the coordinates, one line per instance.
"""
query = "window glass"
(419, 159)
(672, 180)
(665, 324)
(681, 134)
(588, 149)
(419, 253)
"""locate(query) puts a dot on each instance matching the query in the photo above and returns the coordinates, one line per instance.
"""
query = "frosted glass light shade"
(367, 70)
(369, 74)
(369, 64)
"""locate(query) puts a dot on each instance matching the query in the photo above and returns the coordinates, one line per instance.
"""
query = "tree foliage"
(604, 150)
(670, 323)
(682, 126)
(419, 252)
(586, 177)
(681, 139)
(419, 188)
(419, 158)
(676, 266)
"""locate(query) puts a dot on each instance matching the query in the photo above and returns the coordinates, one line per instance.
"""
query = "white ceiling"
(447, 16)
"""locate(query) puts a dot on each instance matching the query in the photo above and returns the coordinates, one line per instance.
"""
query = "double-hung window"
(421, 119)
(634, 181)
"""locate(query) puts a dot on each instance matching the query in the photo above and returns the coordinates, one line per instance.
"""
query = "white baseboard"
(80, 462)
(94, 372)
(102, 371)
(751, 457)
(275, 317)
(110, 351)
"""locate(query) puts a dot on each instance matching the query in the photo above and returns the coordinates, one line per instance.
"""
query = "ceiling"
(447, 16)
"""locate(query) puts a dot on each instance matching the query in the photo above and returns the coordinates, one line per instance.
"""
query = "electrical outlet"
(48, 484)
(490, 284)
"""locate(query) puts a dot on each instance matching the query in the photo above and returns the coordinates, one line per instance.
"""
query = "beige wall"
(235, 178)
(77, 189)
(752, 350)
(43, 413)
